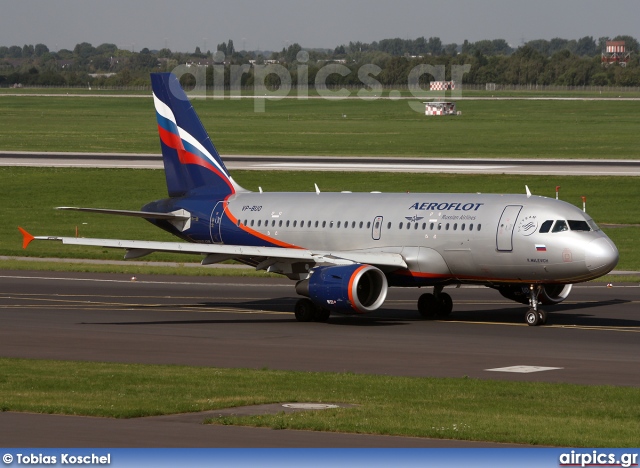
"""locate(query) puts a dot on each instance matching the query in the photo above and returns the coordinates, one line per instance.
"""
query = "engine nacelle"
(550, 294)
(345, 288)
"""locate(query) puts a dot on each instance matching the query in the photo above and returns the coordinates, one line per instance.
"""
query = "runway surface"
(247, 322)
(339, 163)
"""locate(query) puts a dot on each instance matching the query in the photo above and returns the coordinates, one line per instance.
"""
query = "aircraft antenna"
(317, 189)
(528, 192)
(260, 188)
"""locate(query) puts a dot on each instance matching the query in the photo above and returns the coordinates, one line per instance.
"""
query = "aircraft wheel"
(446, 305)
(428, 305)
(305, 310)
(533, 318)
(322, 315)
(543, 317)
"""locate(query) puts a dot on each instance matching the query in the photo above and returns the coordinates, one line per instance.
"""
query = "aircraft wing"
(266, 256)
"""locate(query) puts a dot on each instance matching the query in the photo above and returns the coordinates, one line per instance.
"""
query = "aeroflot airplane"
(345, 249)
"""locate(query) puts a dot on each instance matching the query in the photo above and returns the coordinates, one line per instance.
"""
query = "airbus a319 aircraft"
(346, 249)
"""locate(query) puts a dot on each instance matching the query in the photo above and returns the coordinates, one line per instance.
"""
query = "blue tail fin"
(190, 159)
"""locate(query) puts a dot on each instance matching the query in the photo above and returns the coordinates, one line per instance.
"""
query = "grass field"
(604, 92)
(464, 409)
(30, 194)
(514, 129)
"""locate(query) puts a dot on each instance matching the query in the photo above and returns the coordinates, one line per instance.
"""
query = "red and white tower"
(615, 53)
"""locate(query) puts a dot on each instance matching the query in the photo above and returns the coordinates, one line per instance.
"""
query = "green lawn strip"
(466, 409)
(512, 129)
(135, 270)
(30, 194)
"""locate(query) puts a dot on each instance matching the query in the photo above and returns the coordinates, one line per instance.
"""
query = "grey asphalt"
(592, 338)
(532, 167)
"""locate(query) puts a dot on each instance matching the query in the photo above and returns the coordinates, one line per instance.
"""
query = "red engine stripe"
(351, 299)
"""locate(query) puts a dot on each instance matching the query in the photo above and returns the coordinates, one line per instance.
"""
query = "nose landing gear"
(534, 315)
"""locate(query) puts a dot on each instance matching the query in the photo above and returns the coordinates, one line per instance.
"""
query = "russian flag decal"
(541, 248)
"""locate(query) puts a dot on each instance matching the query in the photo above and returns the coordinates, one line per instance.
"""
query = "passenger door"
(504, 235)
(216, 223)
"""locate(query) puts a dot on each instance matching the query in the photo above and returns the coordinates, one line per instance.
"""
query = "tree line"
(537, 62)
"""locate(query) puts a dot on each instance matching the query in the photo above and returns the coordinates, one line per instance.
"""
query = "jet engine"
(345, 288)
(550, 293)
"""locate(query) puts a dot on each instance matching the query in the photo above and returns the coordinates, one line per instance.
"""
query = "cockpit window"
(593, 225)
(560, 226)
(579, 225)
(546, 226)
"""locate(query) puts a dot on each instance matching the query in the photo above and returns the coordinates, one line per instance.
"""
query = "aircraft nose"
(601, 255)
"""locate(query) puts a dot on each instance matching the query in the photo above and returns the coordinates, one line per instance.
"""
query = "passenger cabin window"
(560, 226)
(546, 226)
(579, 225)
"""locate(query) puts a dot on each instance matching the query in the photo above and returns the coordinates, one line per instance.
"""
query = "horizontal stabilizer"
(178, 216)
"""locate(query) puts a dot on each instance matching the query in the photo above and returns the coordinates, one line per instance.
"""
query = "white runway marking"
(523, 369)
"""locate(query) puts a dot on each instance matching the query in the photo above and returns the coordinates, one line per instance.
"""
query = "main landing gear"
(534, 315)
(307, 311)
(438, 304)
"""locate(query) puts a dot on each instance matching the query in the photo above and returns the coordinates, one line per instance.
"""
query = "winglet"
(26, 238)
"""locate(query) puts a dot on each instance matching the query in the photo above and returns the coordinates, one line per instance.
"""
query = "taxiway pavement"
(592, 338)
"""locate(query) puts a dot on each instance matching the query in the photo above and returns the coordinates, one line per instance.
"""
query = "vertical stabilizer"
(190, 159)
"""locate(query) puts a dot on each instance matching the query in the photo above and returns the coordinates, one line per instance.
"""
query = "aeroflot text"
(64, 459)
(445, 206)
